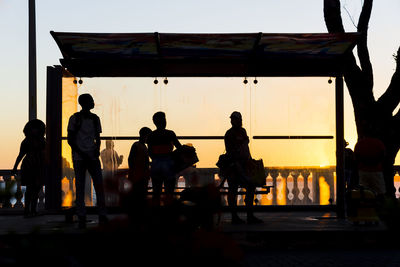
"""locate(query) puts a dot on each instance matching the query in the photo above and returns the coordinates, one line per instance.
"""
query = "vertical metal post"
(53, 138)
(32, 62)
(340, 185)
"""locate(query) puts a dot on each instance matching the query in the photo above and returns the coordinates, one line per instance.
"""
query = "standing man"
(84, 130)
(161, 143)
(238, 152)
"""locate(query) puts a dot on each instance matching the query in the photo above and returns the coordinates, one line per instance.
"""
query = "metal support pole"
(32, 62)
(340, 185)
(53, 138)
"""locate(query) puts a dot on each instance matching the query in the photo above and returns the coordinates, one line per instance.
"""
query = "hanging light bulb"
(165, 80)
(255, 80)
(330, 80)
(245, 80)
(155, 81)
(75, 81)
(80, 81)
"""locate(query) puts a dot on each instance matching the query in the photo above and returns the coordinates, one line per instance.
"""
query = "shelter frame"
(175, 56)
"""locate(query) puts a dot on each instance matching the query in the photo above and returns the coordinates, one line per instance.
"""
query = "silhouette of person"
(238, 152)
(350, 167)
(370, 153)
(111, 161)
(84, 130)
(139, 168)
(110, 158)
(32, 154)
(190, 174)
(161, 143)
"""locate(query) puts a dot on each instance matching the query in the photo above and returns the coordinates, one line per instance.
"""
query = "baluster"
(41, 199)
(295, 187)
(290, 187)
(397, 184)
(330, 178)
(316, 189)
(7, 191)
(311, 185)
(2, 189)
(241, 197)
(268, 198)
(281, 195)
(18, 195)
(300, 188)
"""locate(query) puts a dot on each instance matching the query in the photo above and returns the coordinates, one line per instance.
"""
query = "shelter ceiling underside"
(203, 55)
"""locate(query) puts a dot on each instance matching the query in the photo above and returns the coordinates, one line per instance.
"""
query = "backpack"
(78, 117)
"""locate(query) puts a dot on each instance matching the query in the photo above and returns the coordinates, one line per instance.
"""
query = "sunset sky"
(201, 106)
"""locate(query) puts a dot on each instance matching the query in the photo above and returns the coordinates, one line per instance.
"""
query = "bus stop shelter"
(193, 55)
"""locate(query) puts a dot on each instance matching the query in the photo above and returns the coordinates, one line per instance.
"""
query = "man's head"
(144, 132)
(109, 144)
(236, 119)
(86, 101)
(159, 120)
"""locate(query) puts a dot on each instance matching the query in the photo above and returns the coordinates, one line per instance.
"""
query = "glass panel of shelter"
(275, 110)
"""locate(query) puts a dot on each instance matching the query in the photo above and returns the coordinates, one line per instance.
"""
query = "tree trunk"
(372, 117)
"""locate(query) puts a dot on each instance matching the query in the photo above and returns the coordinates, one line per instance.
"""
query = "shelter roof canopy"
(203, 54)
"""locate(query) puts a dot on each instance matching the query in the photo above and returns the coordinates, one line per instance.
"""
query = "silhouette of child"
(32, 151)
(139, 169)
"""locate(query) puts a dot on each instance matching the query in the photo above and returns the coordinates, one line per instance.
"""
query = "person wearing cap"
(237, 150)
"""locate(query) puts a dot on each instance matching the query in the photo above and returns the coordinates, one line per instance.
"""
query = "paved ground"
(284, 239)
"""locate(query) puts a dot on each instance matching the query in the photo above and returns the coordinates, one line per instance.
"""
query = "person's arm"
(247, 139)
(72, 143)
(228, 144)
(119, 158)
(71, 136)
(131, 157)
(150, 146)
(98, 143)
(20, 156)
(175, 141)
(97, 137)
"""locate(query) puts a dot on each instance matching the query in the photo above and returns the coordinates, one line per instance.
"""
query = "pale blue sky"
(163, 16)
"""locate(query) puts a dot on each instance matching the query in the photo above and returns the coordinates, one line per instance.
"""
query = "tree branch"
(333, 17)
(391, 98)
(362, 47)
(358, 81)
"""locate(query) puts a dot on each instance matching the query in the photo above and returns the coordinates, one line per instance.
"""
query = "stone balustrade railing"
(290, 186)
(12, 193)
